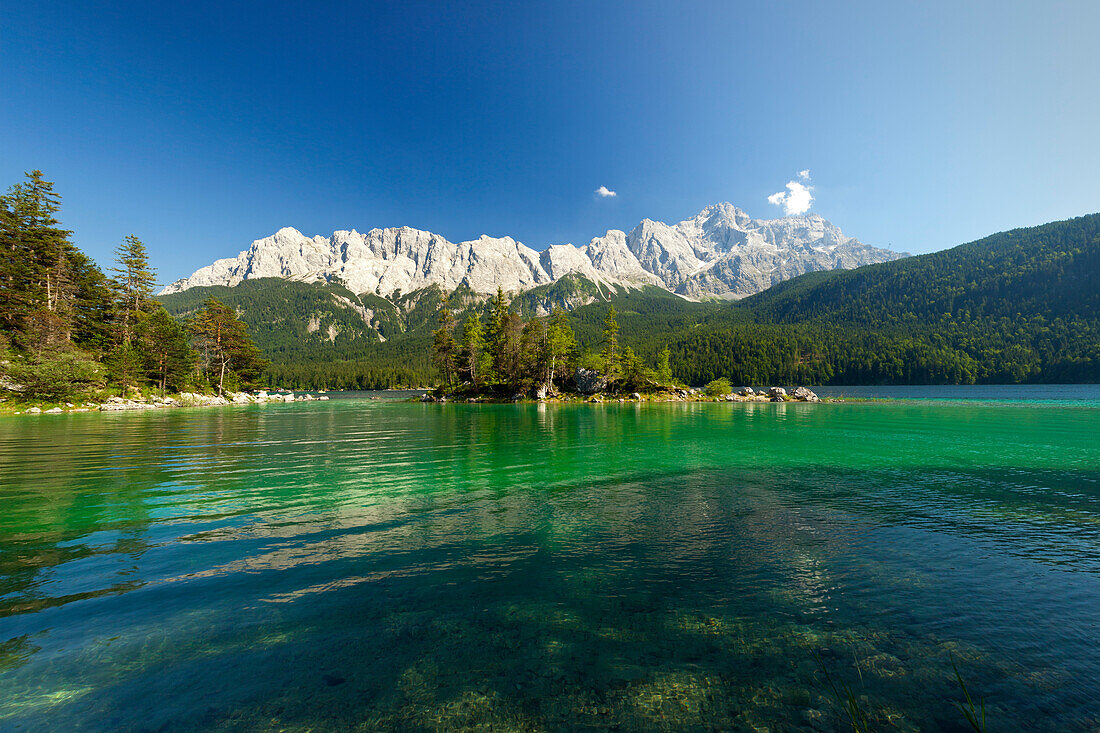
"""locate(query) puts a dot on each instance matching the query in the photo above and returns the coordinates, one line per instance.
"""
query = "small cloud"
(605, 192)
(797, 199)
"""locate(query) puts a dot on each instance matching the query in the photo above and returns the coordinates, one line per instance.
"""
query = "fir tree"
(560, 345)
(133, 284)
(664, 369)
(472, 353)
(168, 356)
(610, 353)
(224, 346)
(495, 337)
(37, 302)
(445, 349)
(534, 356)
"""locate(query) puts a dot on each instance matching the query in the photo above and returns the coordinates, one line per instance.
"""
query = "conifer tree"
(561, 343)
(534, 355)
(509, 366)
(472, 353)
(610, 353)
(664, 369)
(133, 284)
(445, 349)
(494, 332)
(168, 355)
(37, 302)
(224, 346)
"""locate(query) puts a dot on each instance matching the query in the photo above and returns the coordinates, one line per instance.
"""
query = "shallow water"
(379, 565)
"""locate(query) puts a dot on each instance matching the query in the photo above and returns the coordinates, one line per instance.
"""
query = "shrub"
(718, 387)
(54, 376)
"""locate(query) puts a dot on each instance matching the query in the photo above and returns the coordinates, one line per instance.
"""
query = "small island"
(507, 359)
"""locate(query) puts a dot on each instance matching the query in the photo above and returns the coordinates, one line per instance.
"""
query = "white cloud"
(797, 199)
(605, 192)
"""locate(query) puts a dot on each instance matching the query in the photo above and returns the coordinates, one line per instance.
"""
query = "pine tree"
(510, 362)
(610, 353)
(534, 356)
(168, 356)
(445, 349)
(494, 333)
(561, 344)
(37, 302)
(224, 346)
(472, 352)
(133, 284)
(664, 369)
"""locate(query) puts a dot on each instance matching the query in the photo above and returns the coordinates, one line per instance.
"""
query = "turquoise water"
(358, 564)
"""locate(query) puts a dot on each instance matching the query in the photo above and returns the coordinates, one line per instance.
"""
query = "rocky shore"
(745, 394)
(184, 399)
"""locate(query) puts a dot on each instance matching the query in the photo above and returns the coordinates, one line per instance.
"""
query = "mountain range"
(721, 253)
(1018, 306)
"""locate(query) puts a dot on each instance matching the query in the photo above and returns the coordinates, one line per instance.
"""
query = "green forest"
(1016, 307)
(68, 330)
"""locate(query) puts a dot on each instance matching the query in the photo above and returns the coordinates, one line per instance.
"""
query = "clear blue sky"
(202, 126)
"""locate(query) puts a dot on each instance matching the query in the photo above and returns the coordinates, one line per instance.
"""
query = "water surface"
(381, 565)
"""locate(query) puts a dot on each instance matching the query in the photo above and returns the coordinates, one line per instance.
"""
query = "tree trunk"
(221, 379)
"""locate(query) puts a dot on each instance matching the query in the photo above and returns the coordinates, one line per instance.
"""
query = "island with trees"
(509, 359)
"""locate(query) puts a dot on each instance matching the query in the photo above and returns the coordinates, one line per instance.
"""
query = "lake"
(374, 564)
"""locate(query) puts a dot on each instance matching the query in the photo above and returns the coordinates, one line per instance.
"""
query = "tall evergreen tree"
(494, 333)
(225, 348)
(561, 344)
(610, 353)
(534, 356)
(472, 354)
(664, 369)
(445, 349)
(509, 365)
(133, 284)
(168, 356)
(37, 304)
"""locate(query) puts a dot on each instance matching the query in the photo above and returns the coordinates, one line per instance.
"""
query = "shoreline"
(181, 399)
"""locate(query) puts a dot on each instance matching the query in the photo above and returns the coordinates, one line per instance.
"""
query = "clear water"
(358, 564)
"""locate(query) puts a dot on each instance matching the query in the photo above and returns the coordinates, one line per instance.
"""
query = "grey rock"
(805, 395)
(589, 381)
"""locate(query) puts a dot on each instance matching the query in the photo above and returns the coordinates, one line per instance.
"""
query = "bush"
(718, 387)
(54, 376)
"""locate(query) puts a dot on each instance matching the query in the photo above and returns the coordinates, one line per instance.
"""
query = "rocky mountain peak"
(720, 252)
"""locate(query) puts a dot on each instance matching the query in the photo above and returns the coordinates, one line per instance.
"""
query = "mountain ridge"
(721, 253)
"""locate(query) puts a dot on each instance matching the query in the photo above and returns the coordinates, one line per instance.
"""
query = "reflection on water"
(359, 564)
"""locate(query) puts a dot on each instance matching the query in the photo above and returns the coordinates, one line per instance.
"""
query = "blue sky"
(202, 126)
